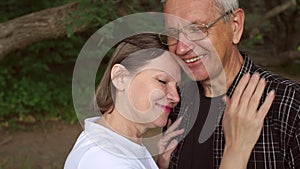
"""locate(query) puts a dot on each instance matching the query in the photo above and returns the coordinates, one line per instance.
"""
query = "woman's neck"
(123, 126)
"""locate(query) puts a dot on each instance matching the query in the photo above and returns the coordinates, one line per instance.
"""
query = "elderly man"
(206, 38)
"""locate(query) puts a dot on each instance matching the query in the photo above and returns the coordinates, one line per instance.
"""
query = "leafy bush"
(36, 82)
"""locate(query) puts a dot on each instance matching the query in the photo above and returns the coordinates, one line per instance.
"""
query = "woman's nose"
(173, 96)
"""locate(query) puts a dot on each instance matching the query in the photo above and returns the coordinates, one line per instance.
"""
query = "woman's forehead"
(166, 63)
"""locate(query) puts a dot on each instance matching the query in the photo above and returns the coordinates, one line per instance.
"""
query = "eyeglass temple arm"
(221, 17)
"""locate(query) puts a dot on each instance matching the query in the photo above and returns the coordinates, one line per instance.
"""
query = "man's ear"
(238, 18)
(118, 76)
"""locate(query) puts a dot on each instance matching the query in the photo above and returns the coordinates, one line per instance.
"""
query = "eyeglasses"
(192, 32)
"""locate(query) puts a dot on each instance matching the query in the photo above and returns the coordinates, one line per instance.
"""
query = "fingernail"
(262, 79)
(224, 98)
(247, 74)
(272, 92)
(256, 74)
(173, 143)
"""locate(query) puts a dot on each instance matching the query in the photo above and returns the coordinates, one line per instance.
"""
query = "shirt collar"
(247, 65)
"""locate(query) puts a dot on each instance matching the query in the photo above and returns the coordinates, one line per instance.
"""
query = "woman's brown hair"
(133, 53)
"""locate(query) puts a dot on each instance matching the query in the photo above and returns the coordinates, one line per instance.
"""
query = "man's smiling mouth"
(194, 59)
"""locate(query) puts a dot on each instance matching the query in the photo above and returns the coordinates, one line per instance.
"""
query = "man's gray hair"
(226, 5)
(223, 5)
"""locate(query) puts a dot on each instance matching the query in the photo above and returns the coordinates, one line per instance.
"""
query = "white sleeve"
(96, 158)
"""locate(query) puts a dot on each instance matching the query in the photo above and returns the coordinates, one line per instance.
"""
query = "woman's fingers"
(163, 160)
(171, 147)
(247, 96)
(264, 108)
(240, 90)
(249, 91)
(165, 141)
(172, 127)
(170, 134)
(242, 122)
(256, 97)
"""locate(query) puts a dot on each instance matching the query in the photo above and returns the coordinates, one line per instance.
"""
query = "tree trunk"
(28, 29)
(292, 33)
(274, 12)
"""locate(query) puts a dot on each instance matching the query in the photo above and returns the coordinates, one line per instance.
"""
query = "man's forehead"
(180, 13)
(177, 6)
(174, 5)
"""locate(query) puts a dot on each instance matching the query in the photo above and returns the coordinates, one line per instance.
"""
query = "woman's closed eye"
(162, 81)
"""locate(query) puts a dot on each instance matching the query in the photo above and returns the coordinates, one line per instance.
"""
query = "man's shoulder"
(273, 79)
(278, 81)
(287, 95)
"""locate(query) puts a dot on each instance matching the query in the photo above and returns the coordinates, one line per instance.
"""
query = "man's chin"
(199, 76)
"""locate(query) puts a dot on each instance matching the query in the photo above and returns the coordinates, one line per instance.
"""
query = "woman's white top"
(98, 147)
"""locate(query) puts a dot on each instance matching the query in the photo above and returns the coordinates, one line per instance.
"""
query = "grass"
(7, 163)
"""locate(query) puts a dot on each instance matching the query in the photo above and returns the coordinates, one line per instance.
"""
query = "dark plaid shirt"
(279, 143)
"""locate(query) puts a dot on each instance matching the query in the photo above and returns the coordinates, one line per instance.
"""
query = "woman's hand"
(167, 143)
(243, 120)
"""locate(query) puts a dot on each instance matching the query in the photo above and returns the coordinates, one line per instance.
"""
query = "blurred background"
(40, 42)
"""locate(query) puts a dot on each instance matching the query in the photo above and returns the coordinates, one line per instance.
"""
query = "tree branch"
(28, 29)
(275, 11)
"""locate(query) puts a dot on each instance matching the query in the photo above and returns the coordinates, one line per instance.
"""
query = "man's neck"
(216, 86)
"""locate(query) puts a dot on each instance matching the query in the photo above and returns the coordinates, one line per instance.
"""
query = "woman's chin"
(161, 122)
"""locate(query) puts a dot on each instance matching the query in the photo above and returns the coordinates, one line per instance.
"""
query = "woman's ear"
(238, 18)
(118, 76)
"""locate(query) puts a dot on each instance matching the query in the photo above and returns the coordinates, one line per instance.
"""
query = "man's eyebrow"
(192, 23)
(197, 23)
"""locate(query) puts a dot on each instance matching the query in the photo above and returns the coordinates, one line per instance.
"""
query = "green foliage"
(14, 8)
(92, 13)
(292, 68)
(99, 12)
(144, 5)
(36, 82)
(258, 34)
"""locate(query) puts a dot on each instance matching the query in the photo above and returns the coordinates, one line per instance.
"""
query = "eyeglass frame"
(203, 26)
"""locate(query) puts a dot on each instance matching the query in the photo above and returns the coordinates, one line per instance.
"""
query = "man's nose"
(184, 45)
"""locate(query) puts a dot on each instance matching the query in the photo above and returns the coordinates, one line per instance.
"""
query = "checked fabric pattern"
(278, 146)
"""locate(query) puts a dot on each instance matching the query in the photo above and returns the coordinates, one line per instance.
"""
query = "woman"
(137, 92)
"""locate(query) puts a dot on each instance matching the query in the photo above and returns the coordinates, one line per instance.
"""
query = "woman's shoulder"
(94, 157)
